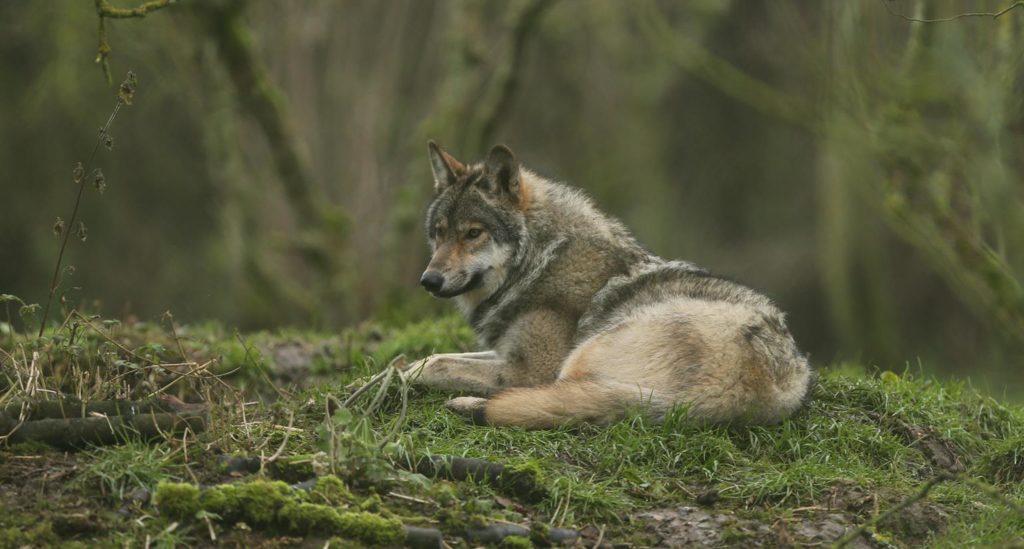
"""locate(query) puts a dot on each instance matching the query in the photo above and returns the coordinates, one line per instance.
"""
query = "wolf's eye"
(473, 233)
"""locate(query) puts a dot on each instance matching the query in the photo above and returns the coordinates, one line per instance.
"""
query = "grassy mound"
(948, 460)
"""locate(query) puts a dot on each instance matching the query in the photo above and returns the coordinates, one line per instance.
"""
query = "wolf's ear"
(446, 169)
(502, 167)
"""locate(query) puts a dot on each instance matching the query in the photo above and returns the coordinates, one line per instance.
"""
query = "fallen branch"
(423, 537)
(521, 483)
(496, 533)
(71, 408)
(73, 433)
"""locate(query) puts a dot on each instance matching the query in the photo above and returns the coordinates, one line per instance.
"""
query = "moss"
(273, 503)
(372, 503)
(372, 528)
(731, 534)
(30, 447)
(516, 542)
(40, 535)
(523, 482)
(177, 501)
(366, 527)
(444, 493)
(331, 490)
(539, 532)
(293, 469)
(306, 517)
(255, 502)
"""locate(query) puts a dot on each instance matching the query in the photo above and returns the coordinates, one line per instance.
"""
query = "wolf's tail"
(564, 402)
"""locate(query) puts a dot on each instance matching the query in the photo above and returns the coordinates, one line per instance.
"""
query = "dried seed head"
(127, 90)
(78, 173)
(83, 233)
(58, 227)
(99, 181)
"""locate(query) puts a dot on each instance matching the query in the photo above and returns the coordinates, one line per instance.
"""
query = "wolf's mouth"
(475, 282)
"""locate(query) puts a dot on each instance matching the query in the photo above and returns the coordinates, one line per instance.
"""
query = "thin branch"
(81, 175)
(105, 10)
(992, 14)
(280, 449)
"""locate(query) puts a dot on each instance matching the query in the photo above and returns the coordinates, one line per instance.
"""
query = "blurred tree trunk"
(937, 147)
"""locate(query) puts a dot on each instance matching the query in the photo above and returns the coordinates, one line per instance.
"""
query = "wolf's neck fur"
(559, 209)
(557, 219)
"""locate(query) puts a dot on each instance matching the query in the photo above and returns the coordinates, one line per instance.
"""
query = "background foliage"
(862, 169)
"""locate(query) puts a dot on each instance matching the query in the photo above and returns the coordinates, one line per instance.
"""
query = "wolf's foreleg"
(483, 372)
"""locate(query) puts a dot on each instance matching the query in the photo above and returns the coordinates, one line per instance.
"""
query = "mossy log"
(519, 482)
(496, 534)
(74, 408)
(77, 432)
(423, 538)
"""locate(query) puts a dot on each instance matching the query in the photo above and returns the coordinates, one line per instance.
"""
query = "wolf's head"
(475, 223)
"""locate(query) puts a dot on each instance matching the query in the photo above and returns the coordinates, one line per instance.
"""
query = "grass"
(864, 443)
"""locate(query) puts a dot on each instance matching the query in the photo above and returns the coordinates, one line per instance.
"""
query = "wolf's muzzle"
(432, 281)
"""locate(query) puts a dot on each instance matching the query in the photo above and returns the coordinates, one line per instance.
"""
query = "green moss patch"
(322, 519)
(255, 503)
(275, 505)
(331, 490)
(177, 501)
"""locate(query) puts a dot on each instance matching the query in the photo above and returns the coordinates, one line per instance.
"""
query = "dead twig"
(992, 14)
(280, 449)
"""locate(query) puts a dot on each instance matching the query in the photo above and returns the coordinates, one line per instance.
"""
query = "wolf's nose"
(432, 281)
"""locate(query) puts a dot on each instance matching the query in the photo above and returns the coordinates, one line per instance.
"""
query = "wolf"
(581, 322)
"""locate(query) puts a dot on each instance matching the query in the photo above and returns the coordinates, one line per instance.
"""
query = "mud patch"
(938, 450)
(694, 527)
(300, 362)
(918, 521)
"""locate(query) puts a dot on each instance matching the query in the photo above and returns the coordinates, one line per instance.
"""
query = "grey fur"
(556, 288)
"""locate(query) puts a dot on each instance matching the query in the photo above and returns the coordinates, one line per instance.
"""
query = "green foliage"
(352, 449)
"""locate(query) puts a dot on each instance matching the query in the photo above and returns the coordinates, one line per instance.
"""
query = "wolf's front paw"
(412, 370)
(471, 407)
